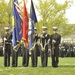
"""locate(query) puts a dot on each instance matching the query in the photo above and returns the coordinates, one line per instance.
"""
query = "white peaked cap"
(44, 27)
(6, 28)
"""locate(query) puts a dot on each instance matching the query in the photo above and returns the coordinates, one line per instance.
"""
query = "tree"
(5, 15)
(53, 14)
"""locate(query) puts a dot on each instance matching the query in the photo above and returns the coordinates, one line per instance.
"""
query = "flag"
(32, 22)
(25, 25)
(17, 27)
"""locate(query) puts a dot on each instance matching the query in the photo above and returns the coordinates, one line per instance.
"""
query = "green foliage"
(66, 67)
(53, 14)
(5, 14)
(68, 29)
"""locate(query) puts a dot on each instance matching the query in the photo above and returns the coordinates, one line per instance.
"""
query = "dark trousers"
(55, 57)
(34, 56)
(55, 60)
(44, 57)
(14, 58)
(7, 55)
(25, 60)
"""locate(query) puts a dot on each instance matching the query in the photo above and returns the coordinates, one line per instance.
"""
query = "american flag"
(17, 25)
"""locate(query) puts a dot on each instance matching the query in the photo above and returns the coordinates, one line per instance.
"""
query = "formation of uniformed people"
(67, 49)
(42, 43)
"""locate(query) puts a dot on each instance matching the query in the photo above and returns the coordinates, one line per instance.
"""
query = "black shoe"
(5, 66)
(14, 65)
(25, 66)
(55, 66)
(34, 66)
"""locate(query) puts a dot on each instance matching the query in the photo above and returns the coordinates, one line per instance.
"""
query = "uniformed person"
(25, 54)
(62, 49)
(74, 48)
(7, 47)
(44, 47)
(35, 52)
(55, 39)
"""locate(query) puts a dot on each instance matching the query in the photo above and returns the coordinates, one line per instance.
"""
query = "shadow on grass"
(59, 66)
(66, 65)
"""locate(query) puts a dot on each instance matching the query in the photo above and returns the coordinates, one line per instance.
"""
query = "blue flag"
(17, 25)
(32, 22)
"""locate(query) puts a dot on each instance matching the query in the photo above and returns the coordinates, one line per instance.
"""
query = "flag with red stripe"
(25, 25)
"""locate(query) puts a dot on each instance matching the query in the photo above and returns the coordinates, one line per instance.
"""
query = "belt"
(7, 43)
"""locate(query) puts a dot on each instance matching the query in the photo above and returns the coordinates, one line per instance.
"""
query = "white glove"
(53, 41)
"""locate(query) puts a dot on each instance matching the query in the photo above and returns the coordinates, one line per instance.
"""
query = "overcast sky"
(70, 13)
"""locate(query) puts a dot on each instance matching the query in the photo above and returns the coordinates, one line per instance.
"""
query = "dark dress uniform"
(35, 51)
(7, 49)
(25, 55)
(55, 41)
(44, 49)
(14, 58)
(74, 49)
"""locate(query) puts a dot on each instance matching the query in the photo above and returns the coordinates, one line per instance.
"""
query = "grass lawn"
(66, 67)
